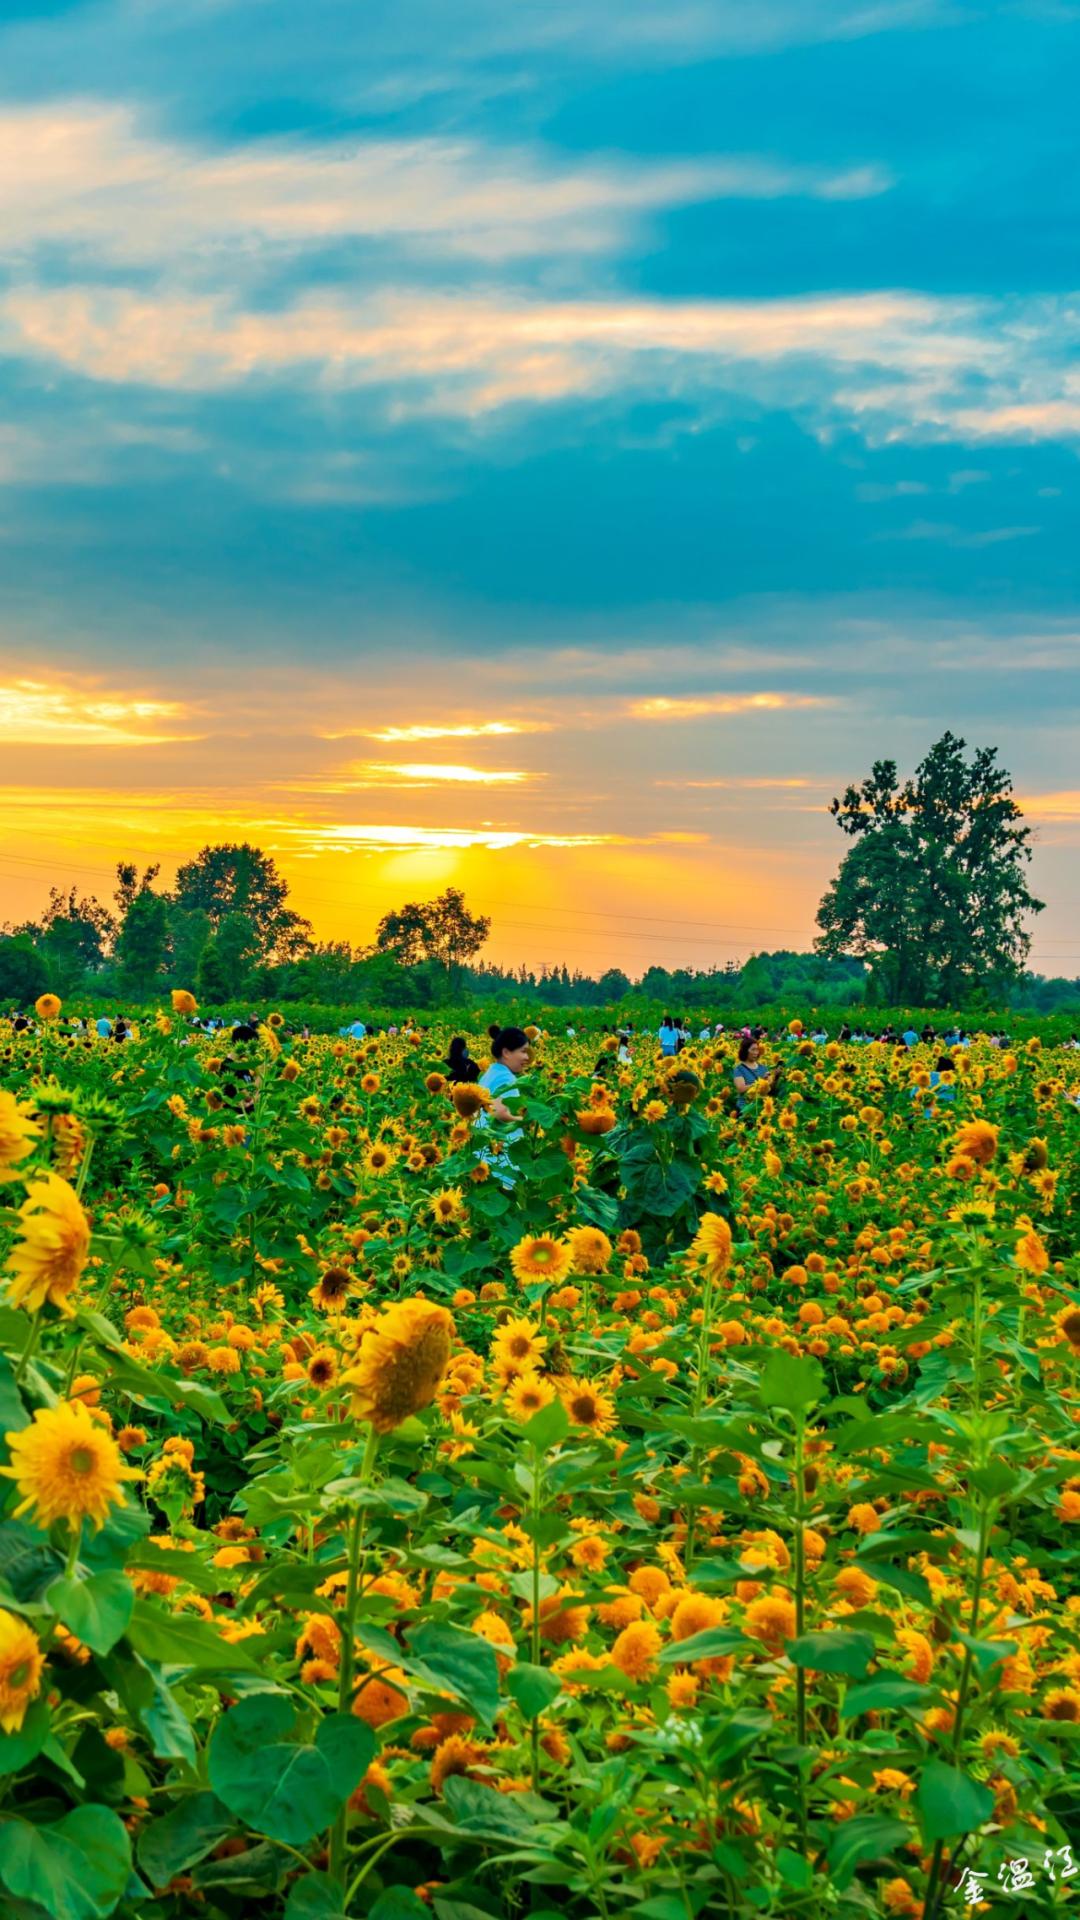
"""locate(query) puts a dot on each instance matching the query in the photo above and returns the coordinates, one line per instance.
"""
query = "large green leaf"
(950, 1802)
(317, 1897)
(184, 1835)
(870, 1836)
(181, 1640)
(884, 1693)
(711, 1644)
(838, 1652)
(398, 1903)
(790, 1381)
(462, 1663)
(534, 1688)
(96, 1610)
(75, 1868)
(276, 1783)
(19, 1748)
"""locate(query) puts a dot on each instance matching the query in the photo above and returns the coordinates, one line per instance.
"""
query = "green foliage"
(933, 891)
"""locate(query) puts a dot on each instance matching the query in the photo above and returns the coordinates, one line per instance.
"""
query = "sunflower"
(469, 1098)
(332, 1289)
(540, 1257)
(322, 1367)
(380, 1158)
(448, 1205)
(712, 1244)
(401, 1363)
(53, 1245)
(517, 1346)
(977, 1140)
(47, 1006)
(636, 1650)
(527, 1394)
(377, 1700)
(370, 1083)
(21, 1667)
(454, 1755)
(590, 1250)
(771, 1619)
(588, 1406)
(1062, 1703)
(1031, 1255)
(184, 1002)
(18, 1132)
(66, 1467)
(1067, 1323)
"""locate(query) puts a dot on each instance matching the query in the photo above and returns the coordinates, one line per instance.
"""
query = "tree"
(242, 879)
(442, 930)
(74, 934)
(128, 884)
(933, 891)
(227, 959)
(142, 945)
(23, 972)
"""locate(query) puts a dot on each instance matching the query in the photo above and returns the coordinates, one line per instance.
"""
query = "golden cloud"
(703, 706)
(48, 713)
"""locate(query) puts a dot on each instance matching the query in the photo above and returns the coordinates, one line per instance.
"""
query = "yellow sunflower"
(332, 1289)
(18, 1132)
(517, 1346)
(21, 1667)
(588, 1406)
(52, 1248)
(540, 1258)
(66, 1467)
(590, 1250)
(401, 1363)
(712, 1244)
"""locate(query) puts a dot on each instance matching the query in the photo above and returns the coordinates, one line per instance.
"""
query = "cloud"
(41, 713)
(702, 706)
(424, 773)
(405, 839)
(467, 730)
(895, 366)
(86, 175)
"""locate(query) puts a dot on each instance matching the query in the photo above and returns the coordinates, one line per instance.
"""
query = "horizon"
(552, 465)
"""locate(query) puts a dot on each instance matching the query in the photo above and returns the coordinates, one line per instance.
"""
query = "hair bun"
(494, 1031)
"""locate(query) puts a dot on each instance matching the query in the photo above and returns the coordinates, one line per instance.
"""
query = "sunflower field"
(639, 1509)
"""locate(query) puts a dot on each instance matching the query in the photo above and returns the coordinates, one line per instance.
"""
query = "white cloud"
(86, 175)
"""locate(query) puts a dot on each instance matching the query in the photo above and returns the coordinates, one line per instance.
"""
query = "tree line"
(929, 908)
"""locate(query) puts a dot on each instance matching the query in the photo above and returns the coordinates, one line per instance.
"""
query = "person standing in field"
(668, 1037)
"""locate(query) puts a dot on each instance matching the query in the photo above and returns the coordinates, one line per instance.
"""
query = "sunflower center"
(19, 1675)
(82, 1460)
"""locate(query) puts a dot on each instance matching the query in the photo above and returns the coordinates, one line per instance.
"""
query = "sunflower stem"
(357, 1527)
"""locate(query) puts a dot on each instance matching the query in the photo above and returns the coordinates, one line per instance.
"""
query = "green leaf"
(76, 1868)
(794, 1871)
(790, 1381)
(903, 1579)
(13, 1414)
(19, 1748)
(463, 1663)
(884, 1694)
(96, 1610)
(183, 1836)
(870, 1836)
(491, 1815)
(950, 1802)
(711, 1644)
(317, 1897)
(397, 1903)
(275, 1783)
(840, 1652)
(180, 1640)
(534, 1688)
(986, 1653)
(549, 1426)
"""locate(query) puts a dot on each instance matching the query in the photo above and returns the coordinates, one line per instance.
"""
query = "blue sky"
(373, 367)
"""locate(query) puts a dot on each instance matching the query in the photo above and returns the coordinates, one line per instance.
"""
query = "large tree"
(934, 890)
(230, 879)
(442, 930)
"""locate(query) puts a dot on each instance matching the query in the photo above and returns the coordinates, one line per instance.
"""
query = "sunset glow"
(558, 466)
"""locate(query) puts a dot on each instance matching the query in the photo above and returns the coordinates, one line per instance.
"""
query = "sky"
(544, 449)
